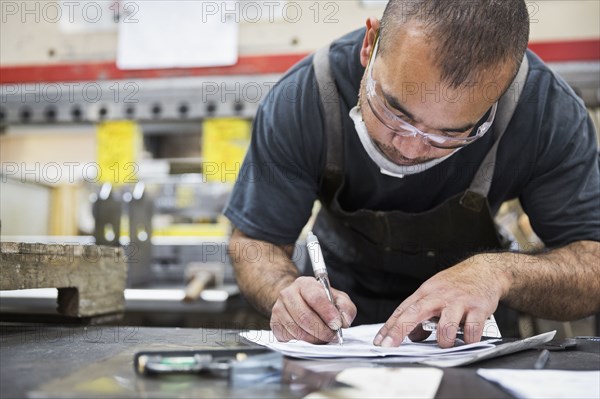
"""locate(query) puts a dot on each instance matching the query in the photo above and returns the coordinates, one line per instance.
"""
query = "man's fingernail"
(335, 325)
(347, 318)
(378, 339)
(388, 342)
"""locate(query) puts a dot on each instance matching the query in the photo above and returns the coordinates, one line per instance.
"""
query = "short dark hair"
(469, 35)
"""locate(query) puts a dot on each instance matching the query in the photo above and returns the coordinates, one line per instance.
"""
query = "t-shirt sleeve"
(562, 197)
(277, 185)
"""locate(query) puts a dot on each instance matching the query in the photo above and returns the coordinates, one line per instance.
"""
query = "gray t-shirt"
(548, 158)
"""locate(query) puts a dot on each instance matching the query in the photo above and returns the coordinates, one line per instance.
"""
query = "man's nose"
(411, 147)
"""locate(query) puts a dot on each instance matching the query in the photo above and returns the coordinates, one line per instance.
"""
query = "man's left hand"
(463, 295)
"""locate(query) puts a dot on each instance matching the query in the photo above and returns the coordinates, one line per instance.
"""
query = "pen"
(318, 264)
(490, 328)
(542, 359)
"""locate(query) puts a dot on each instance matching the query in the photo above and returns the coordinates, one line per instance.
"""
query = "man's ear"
(369, 40)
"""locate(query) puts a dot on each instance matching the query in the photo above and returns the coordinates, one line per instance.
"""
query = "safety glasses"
(395, 123)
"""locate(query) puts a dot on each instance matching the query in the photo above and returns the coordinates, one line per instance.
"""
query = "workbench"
(97, 361)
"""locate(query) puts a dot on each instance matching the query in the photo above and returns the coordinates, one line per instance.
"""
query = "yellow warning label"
(118, 146)
(224, 145)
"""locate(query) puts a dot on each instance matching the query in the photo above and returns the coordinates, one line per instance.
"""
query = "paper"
(177, 34)
(546, 383)
(358, 342)
(384, 382)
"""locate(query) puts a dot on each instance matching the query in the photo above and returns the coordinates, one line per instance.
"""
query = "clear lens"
(403, 128)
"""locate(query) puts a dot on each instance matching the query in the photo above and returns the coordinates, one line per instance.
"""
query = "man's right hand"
(302, 311)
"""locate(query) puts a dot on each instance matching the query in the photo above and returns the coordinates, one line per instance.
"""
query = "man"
(409, 176)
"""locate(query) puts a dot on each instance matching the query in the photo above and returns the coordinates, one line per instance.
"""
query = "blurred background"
(124, 124)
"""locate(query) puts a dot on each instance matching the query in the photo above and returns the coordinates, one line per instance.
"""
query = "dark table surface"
(97, 361)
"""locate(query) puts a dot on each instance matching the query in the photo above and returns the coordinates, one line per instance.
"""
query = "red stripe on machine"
(556, 51)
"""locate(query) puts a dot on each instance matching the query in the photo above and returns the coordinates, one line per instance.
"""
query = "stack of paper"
(358, 343)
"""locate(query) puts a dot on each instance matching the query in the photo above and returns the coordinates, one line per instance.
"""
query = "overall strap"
(330, 104)
(474, 198)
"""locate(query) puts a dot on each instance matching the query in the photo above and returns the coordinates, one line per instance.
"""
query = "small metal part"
(107, 215)
(158, 364)
(541, 361)
(140, 209)
(490, 328)
(256, 369)
(559, 344)
(241, 367)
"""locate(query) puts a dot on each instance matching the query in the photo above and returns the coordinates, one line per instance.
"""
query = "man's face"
(409, 84)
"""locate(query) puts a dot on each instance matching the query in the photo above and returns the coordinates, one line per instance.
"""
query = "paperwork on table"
(546, 383)
(358, 343)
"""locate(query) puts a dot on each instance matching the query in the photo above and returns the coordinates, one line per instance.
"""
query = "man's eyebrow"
(393, 101)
